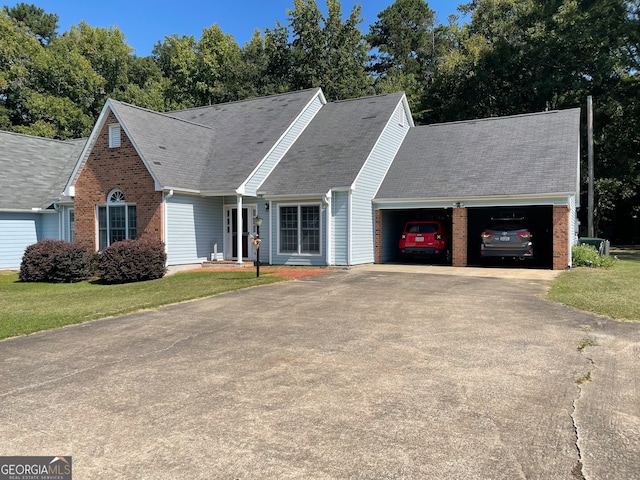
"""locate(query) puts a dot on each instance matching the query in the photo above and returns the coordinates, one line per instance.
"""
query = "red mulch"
(292, 273)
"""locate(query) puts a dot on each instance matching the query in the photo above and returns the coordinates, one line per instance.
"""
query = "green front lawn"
(31, 307)
(612, 292)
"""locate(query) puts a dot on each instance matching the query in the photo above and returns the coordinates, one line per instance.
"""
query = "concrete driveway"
(371, 373)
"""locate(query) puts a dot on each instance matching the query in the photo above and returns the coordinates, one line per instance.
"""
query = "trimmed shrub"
(56, 261)
(132, 261)
(587, 256)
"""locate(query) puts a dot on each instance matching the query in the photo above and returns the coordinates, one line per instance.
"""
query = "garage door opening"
(393, 223)
(539, 221)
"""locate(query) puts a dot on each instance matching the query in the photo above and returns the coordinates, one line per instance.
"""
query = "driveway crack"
(577, 472)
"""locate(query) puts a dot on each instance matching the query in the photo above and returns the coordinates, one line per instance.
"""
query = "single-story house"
(333, 182)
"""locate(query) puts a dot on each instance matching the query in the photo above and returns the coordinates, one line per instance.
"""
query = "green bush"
(587, 256)
(56, 261)
(132, 261)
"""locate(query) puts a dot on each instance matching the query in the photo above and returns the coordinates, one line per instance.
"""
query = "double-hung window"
(116, 220)
(299, 229)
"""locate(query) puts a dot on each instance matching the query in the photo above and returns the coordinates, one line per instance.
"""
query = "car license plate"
(419, 239)
(505, 238)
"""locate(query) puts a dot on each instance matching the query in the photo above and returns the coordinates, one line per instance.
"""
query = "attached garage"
(473, 171)
(393, 222)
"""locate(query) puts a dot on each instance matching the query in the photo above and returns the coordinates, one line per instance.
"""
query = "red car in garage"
(425, 239)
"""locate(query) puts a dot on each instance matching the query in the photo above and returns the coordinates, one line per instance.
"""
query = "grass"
(586, 342)
(31, 307)
(611, 292)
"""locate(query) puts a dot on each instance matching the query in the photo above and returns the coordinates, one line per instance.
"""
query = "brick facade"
(377, 258)
(560, 237)
(109, 168)
(459, 237)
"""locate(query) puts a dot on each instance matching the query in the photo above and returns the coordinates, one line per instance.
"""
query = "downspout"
(350, 228)
(329, 253)
(271, 232)
(165, 223)
(59, 212)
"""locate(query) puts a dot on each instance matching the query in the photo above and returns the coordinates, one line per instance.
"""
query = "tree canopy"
(506, 57)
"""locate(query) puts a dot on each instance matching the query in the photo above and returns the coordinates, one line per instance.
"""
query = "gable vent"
(114, 136)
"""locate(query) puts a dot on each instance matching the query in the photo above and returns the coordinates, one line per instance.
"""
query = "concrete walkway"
(365, 373)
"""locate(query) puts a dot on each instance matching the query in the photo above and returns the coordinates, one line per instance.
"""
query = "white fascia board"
(407, 108)
(229, 193)
(323, 101)
(504, 200)
(293, 198)
(187, 191)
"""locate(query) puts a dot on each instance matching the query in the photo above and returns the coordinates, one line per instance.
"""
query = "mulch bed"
(292, 273)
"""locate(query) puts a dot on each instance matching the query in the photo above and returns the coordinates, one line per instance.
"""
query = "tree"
(176, 58)
(107, 52)
(42, 25)
(328, 52)
(520, 56)
(146, 84)
(218, 67)
(404, 39)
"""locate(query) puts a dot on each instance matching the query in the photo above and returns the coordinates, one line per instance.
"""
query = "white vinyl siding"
(340, 215)
(50, 226)
(194, 225)
(367, 185)
(17, 232)
(271, 161)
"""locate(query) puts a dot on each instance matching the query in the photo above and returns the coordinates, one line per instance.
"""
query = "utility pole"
(590, 232)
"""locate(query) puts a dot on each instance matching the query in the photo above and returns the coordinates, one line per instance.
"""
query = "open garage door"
(539, 220)
(393, 222)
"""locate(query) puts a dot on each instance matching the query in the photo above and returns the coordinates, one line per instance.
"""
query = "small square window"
(114, 136)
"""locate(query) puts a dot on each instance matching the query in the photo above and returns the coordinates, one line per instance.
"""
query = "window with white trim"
(299, 229)
(116, 220)
(114, 136)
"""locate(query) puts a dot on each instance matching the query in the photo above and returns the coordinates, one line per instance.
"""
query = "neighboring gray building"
(333, 182)
(33, 175)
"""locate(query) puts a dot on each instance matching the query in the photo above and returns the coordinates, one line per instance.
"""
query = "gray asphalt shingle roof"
(332, 150)
(519, 155)
(34, 170)
(176, 151)
(243, 134)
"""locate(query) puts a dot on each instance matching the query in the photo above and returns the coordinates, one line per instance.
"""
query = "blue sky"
(145, 23)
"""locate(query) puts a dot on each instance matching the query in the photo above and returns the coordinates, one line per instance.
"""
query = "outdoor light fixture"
(266, 206)
(256, 243)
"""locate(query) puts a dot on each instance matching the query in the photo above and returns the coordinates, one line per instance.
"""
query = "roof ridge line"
(163, 114)
(235, 102)
(18, 134)
(502, 117)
